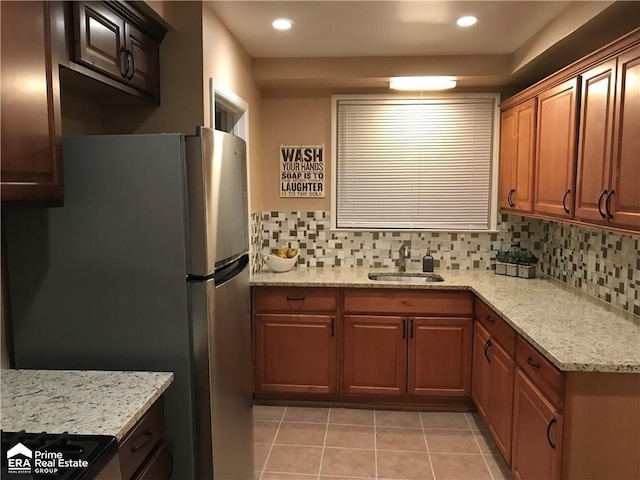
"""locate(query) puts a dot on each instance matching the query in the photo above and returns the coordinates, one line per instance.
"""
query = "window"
(415, 164)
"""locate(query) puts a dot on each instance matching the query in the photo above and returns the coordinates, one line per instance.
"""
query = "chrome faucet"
(404, 254)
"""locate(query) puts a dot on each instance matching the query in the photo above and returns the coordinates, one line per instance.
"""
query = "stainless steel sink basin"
(405, 277)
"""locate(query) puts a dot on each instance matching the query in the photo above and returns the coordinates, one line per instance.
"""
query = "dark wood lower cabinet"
(481, 370)
(439, 356)
(501, 397)
(537, 433)
(295, 353)
(375, 354)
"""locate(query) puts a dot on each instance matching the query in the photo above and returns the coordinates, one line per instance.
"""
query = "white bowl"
(279, 264)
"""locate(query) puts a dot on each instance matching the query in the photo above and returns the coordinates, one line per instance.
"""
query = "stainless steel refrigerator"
(145, 267)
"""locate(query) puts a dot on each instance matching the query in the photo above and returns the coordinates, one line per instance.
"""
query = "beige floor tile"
(404, 465)
(267, 413)
(345, 462)
(260, 454)
(304, 414)
(324, 477)
(293, 459)
(476, 422)
(350, 436)
(264, 432)
(445, 420)
(487, 445)
(287, 476)
(403, 439)
(304, 434)
(387, 418)
(498, 467)
(257, 475)
(451, 441)
(351, 416)
(459, 467)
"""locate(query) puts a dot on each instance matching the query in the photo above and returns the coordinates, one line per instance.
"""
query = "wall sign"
(302, 170)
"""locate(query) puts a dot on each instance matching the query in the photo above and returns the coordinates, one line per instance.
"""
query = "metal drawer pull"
(564, 200)
(551, 423)
(532, 363)
(602, 214)
(404, 329)
(490, 320)
(123, 73)
(333, 333)
(486, 348)
(146, 436)
(295, 298)
(411, 329)
(607, 204)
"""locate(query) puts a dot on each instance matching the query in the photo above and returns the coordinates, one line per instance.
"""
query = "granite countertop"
(77, 401)
(573, 330)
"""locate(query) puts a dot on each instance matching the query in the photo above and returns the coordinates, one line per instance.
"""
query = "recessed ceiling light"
(282, 24)
(466, 21)
(422, 83)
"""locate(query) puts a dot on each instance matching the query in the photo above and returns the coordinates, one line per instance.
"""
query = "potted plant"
(516, 263)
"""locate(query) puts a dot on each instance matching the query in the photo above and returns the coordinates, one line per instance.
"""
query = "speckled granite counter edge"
(563, 366)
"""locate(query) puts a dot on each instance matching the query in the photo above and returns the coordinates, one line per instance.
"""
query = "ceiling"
(376, 28)
(361, 44)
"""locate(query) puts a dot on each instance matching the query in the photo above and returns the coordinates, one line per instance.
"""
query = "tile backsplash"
(605, 265)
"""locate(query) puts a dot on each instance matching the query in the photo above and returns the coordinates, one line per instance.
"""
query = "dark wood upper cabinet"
(115, 44)
(624, 201)
(594, 148)
(517, 149)
(30, 103)
(556, 150)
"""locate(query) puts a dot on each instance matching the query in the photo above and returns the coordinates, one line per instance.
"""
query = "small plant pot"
(501, 268)
(526, 271)
(512, 269)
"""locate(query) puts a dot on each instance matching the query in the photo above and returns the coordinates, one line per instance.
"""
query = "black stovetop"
(67, 452)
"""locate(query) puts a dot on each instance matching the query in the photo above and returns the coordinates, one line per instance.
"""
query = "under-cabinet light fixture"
(282, 24)
(466, 21)
(421, 83)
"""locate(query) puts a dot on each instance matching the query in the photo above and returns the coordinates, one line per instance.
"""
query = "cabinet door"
(594, 145)
(375, 354)
(480, 371)
(295, 353)
(143, 71)
(501, 397)
(537, 433)
(440, 356)
(29, 104)
(525, 156)
(508, 143)
(556, 150)
(625, 201)
(100, 39)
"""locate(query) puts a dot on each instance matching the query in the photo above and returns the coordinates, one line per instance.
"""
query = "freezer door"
(217, 198)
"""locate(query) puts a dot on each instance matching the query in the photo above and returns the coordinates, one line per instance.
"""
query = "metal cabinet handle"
(404, 328)
(146, 438)
(295, 298)
(532, 363)
(490, 320)
(123, 51)
(509, 197)
(133, 64)
(411, 329)
(564, 200)
(551, 423)
(333, 332)
(607, 204)
(486, 348)
(602, 214)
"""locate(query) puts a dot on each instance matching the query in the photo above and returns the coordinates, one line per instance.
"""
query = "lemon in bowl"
(280, 264)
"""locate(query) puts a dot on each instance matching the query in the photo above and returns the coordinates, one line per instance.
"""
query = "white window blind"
(414, 164)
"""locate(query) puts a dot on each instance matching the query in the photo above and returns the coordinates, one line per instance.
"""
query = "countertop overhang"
(78, 401)
(576, 332)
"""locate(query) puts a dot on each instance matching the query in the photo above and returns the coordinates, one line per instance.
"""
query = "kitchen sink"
(405, 277)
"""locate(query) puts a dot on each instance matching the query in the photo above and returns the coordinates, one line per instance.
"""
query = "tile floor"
(294, 443)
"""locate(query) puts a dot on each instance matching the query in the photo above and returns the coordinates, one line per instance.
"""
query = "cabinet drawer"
(144, 436)
(496, 326)
(373, 300)
(294, 299)
(544, 375)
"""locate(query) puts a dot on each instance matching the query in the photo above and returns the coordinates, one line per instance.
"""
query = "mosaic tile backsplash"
(605, 265)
